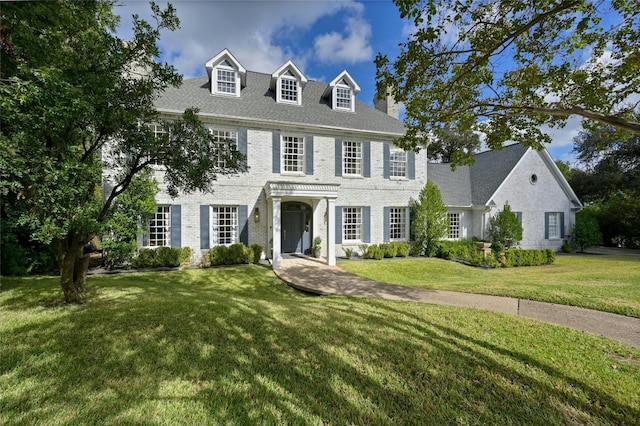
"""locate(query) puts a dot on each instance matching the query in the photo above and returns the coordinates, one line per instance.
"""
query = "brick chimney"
(387, 105)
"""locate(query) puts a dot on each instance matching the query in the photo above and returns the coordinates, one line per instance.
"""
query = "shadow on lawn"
(181, 347)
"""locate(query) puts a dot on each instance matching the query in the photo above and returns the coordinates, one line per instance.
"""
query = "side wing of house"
(545, 203)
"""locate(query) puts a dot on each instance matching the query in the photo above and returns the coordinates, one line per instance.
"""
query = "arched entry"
(296, 227)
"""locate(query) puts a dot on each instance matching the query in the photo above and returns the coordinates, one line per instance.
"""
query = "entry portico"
(319, 199)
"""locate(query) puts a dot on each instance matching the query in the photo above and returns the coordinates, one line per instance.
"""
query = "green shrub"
(218, 255)
(256, 253)
(389, 250)
(348, 252)
(167, 256)
(184, 256)
(239, 254)
(146, 258)
(522, 257)
(402, 249)
(375, 252)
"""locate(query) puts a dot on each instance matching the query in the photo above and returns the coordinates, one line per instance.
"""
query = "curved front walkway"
(318, 278)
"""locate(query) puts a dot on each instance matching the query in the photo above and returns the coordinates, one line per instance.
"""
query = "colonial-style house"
(526, 179)
(322, 164)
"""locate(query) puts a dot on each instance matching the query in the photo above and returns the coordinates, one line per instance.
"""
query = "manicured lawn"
(603, 282)
(236, 346)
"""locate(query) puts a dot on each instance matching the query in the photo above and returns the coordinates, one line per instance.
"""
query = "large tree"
(77, 100)
(450, 146)
(430, 222)
(508, 67)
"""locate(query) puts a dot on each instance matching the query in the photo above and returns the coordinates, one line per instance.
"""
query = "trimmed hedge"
(385, 250)
(161, 257)
(522, 257)
(235, 254)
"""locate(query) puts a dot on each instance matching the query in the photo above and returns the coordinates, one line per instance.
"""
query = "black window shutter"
(366, 158)
(338, 157)
(176, 225)
(411, 159)
(366, 224)
(308, 154)
(243, 223)
(386, 160)
(386, 224)
(338, 224)
(275, 152)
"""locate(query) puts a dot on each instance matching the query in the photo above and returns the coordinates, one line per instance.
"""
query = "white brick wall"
(247, 189)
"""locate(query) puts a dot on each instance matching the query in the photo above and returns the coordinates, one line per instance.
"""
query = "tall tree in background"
(75, 99)
(449, 146)
(508, 67)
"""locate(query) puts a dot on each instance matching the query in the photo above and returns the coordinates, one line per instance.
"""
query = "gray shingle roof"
(257, 103)
(475, 184)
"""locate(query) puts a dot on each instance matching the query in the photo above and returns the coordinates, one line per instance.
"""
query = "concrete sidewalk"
(318, 278)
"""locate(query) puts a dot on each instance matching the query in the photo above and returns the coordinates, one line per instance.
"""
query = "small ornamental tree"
(505, 230)
(586, 231)
(430, 220)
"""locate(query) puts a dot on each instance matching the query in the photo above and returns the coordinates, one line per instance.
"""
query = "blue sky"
(322, 37)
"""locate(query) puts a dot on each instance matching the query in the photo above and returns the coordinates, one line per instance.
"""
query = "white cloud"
(258, 33)
(351, 47)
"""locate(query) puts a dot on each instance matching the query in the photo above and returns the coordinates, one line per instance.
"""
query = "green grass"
(603, 282)
(236, 346)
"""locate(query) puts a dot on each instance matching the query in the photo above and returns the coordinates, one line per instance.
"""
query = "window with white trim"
(397, 162)
(226, 79)
(351, 158)
(553, 226)
(398, 224)
(224, 225)
(454, 226)
(159, 229)
(289, 86)
(292, 154)
(343, 96)
(158, 132)
(226, 141)
(352, 224)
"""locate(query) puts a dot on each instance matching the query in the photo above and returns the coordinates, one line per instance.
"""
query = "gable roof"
(476, 185)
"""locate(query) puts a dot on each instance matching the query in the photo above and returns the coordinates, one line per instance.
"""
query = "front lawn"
(236, 346)
(603, 282)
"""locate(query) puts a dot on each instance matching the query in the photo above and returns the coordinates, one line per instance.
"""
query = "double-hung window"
(454, 226)
(352, 224)
(554, 225)
(351, 158)
(226, 141)
(289, 88)
(344, 96)
(398, 224)
(159, 230)
(397, 163)
(226, 79)
(292, 154)
(224, 225)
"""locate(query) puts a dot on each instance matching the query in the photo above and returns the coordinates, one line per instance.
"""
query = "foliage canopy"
(508, 67)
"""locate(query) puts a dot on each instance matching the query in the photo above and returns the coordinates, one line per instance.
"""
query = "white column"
(331, 231)
(275, 224)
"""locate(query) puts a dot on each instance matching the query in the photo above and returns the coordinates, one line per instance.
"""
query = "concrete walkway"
(318, 278)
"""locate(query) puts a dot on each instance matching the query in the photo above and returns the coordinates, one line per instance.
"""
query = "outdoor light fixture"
(256, 214)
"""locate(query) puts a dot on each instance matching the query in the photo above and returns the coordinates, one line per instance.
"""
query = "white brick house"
(321, 164)
(526, 179)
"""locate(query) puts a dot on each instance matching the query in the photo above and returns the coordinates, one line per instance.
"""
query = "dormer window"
(287, 82)
(226, 75)
(342, 92)
(289, 88)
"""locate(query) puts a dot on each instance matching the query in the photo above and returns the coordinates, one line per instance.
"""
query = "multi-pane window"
(226, 142)
(160, 227)
(454, 225)
(553, 225)
(226, 81)
(293, 154)
(397, 162)
(352, 158)
(398, 223)
(352, 223)
(158, 131)
(343, 97)
(224, 225)
(289, 89)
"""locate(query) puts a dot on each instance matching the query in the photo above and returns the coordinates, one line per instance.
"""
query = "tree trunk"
(73, 264)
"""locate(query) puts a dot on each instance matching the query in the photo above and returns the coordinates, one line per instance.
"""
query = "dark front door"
(292, 228)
